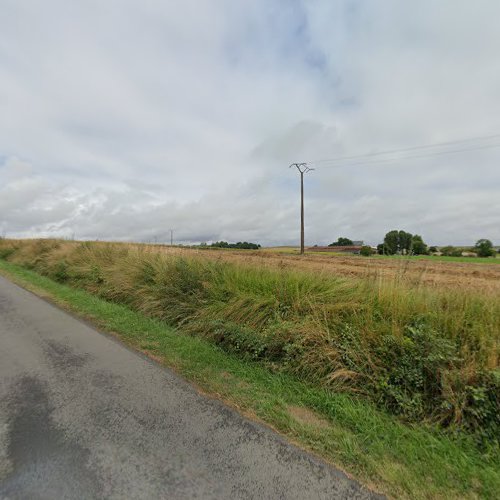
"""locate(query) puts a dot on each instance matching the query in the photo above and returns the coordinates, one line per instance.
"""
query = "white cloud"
(124, 119)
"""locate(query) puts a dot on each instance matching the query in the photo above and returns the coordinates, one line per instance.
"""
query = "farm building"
(354, 249)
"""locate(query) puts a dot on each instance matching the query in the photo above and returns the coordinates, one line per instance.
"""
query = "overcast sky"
(121, 119)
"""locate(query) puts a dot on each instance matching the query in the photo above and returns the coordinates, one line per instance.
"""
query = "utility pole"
(303, 169)
(171, 237)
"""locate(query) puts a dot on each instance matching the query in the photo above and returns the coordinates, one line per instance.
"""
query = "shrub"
(450, 251)
(482, 409)
(366, 251)
(412, 384)
(5, 253)
(59, 272)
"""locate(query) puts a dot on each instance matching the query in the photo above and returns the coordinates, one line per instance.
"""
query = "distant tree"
(418, 247)
(381, 249)
(341, 242)
(433, 249)
(245, 245)
(446, 250)
(366, 251)
(484, 248)
(397, 242)
(220, 244)
(451, 251)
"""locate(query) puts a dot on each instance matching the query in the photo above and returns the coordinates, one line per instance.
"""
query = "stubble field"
(435, 272)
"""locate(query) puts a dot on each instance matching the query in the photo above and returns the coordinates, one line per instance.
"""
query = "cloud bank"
(125, 119)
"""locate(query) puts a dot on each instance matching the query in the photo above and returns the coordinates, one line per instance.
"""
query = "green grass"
(403, 461)
(441, 258)
(433, 258)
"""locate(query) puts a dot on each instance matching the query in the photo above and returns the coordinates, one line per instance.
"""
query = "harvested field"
(478, 277)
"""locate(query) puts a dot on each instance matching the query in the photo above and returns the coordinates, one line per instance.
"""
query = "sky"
(124, 119)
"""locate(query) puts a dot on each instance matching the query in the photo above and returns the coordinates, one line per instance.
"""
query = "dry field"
(473, 276)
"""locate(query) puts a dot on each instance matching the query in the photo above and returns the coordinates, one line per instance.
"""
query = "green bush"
(59, 272)
(5, 253)
(412, 384)
(450, 251)
(482, 409)
(366, 251)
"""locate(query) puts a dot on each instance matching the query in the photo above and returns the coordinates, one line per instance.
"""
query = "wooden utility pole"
(303, 169)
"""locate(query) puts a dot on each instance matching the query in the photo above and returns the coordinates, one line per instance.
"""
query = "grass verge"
(443, 258)
(400, 460)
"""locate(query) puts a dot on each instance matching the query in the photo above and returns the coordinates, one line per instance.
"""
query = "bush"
(366, 251)
(451, 251)
(59, 272)
(412, 384)
(5, 253)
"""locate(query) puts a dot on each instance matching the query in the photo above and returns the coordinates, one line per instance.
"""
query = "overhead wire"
(424, 151)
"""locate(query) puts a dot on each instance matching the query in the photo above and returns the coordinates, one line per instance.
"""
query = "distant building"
(353, 249)
(469, 254)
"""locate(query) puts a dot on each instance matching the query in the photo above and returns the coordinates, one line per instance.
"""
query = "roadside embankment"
(330, 345)
(423, 354)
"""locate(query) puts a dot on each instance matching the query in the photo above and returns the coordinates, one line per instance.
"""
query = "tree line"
(242, 245)
(399, 242)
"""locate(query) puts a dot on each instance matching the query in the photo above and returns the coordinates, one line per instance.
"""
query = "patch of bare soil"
(307, 417)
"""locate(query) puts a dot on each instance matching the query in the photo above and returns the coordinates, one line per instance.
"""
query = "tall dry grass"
(422, 353)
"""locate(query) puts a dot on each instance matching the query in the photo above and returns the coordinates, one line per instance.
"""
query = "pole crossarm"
(303, 168)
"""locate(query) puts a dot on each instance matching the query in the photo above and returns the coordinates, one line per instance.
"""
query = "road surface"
(82, 416)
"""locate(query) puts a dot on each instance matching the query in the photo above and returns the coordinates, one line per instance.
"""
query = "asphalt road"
(82, 416)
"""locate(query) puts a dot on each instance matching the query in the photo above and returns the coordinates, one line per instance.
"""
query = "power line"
(372, 157)
(403, 150)
(378, 161)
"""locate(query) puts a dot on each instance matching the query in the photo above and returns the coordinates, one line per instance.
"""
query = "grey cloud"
(123, 119)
